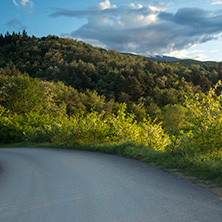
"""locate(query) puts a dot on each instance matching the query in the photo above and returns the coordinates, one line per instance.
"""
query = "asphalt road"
(52, 185)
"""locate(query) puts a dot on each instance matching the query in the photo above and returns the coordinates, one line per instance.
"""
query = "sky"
(178, 28)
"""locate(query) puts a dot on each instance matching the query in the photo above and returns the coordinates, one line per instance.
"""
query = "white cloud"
(137, 20)
(24, 3)
(146, 30)
(181, 54)
(200, 57)
(106, 4)
(156, 8)
(15, 3)
(133, 6)
(216, 3)
(214, 51)
(160, 7)
(186, 54)
(196, 51)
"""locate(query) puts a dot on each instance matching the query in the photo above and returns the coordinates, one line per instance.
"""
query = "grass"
(208, 169)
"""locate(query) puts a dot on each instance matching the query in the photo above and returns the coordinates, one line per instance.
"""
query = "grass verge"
(202, 169)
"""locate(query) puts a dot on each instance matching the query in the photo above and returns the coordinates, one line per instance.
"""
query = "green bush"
(205, 118)
(121, 127)
(11, 130)
(83, 129)
(174, 118)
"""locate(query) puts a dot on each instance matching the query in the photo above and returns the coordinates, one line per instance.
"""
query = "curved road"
(52, 185)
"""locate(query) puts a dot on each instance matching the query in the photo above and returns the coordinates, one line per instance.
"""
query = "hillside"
(165, 58)
(135, 80)
(190, 62)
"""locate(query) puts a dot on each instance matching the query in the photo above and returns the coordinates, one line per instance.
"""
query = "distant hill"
(165, 58)
(156, 58)
(186, 62)
(189, 62)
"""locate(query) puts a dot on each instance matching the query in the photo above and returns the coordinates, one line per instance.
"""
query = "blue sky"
(180, 28)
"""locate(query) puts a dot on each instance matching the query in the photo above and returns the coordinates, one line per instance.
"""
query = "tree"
(24, 35)
(22, 94)
(174, 117)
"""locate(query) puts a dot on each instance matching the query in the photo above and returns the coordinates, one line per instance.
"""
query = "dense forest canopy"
(135, 80)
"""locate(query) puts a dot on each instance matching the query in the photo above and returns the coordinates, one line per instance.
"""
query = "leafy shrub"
(11, 129)
(80, 129)
(174, 118)
(121, 127)
(205, 117)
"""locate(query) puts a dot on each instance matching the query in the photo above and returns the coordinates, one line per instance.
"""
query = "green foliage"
(21, 94)
(92, 101)
(16, 128)
(174, 118)
(109, 73)
(122, 127)
(79, 129)
(2, 110)
(12, 129)
(205, 118)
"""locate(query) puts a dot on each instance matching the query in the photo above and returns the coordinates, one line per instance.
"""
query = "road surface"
(53, 185)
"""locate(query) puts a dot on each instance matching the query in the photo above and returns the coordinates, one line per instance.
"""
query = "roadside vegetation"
(68, 94)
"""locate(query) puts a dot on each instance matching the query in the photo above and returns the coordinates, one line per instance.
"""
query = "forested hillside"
(135, 80)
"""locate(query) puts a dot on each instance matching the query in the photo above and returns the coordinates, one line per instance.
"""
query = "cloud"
(27, 3)
(147, 30)
(24, 3)
(181, 54)
(132, 5)
(214, 51)
(16, 24)
(196, 51)
(15, 3)
(200, 57)
(185, 54)
(106, 5)
(216, 3)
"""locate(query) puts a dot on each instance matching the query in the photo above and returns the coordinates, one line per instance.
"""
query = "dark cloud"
(16, 24)
(194, 17)
(97, 11)
(146, 30)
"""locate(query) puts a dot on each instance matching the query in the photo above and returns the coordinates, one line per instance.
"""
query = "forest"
(60, 90)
